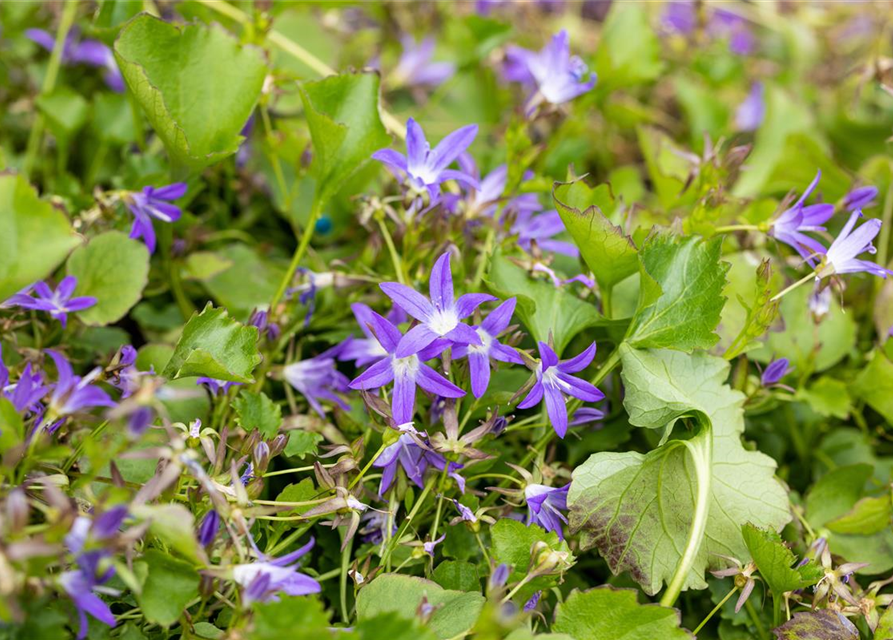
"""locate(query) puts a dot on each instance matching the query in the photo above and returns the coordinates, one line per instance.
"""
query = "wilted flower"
(153, 203)
(425, 168)
(440, 316)
(841, 255)
(479, 355)
(556, 75)
(415, 67)
(789, 227)
(318, 379)
(554, 381)
(775, 371)
(58, 303)
(750, 113)
(545, 505)
(89, 52)
(263, 579)
(744, 580)
(406, 372)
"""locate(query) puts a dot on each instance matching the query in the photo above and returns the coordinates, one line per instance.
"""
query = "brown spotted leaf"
(817, 625)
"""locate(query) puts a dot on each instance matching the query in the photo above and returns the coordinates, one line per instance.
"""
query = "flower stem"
(395, 257)
(737, 227)
(299, 253)
(345, 565)
(369, 464)
(715, 609)
(783, 292)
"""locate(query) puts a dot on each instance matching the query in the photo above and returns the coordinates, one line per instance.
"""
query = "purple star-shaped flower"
(89, 52)
(541, 229)
(318, 379)
(554, 381)
(74, 393)
(790, 226)
(27, 392)
(80, 585)
(479, 356)
(860, 198)
(366, 350)
(484, 200)
(215, 386)
(58, 303)
(127, 377)
(153, 203)
(415, 67)
(415, 460)
(264, 579)
(545, 505)
(841, 255)
(405, 373)
(440, 316)
(426, 168)
(557, 75)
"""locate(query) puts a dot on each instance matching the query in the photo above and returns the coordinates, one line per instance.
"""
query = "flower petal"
(408, 299)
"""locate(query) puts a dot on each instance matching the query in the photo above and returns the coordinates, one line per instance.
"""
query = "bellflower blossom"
(58, 303)
(841, 255)
(751, 112)
(362, 351)
(215, 386)
(415, 67)
(479, 356)
(405, 373)
(92, 53)
(484, 200)
(790, 226)
(415, 460)
(860, 198)
(81, 584)
(775, 371)
(74, 393)
(317, 379)
(153, 203)
(554, 381)
(425, 168)
(263, 579)
(26, 393)
(541, 229)
(126, 377)
(545, 505)
(557, 75)
(440, 316)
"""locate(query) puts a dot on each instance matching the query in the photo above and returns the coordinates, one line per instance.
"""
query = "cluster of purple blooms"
(92, 53)
(681, 16)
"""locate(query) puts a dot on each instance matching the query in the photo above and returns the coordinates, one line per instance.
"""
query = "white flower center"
(443, 321)
(550, 378)
(486, 341)
(406, 367)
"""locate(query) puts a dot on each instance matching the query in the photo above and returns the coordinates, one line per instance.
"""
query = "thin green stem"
(737, 227)
(369, 464)
(714, 610)
(755, 617)
(409, 518)
(395, 257)
(299, 253)
(800, 282)
(608, 302)
(345, 565)
(69, 12)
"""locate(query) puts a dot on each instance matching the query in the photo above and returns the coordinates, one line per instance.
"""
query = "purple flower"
(440, 316)
(541, 229)
(415, 67)
(80, 585)
(405, 373)
(679, 17)
(479, 355)
(261, 320)
(557, 75)
(375, 527)
(365, 350)
(499, 576)
(545, 505)
(775, 371)
(89, 52)
(534, 600)
(860, 198)
(415, 460)
(215, 386)
(127, 376)
(27, 392)
(841, 255)
(725, 23)
(73, 393)
(58, 303)
(153, 203)
(483, 201)
(208, 529)
(426, 168)
(790, 226)
(553, 382)
(429, 546)
(465, 513)
(750, 113)
(264, 579)
(318, 379)
(586, 415)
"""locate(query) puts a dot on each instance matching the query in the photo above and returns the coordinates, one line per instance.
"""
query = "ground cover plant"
(547, 319)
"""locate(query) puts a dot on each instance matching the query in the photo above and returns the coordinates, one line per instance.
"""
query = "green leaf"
(609, 254)
(874, 385)
(776, 562)
(542, 307)
(629, 51)
(884, 629)
(454, 611)
(606, 613)
(868, 516)
(168, 585)
(65, 112)
(668, 167)
(26, 224)
(204, 265)
(303, 491)
(456, 575)
(512, 545)
(299, 617)
(817, 625)
(195, 83)
(214, 345)
(113, 269)
(620, 500)
(302, 443)
(393, 627)
(250, 282)
(342, 114)
(257, 411)
(835, 493)
(681, 299)
(12, 429)
(173, 524)
(828, 397)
